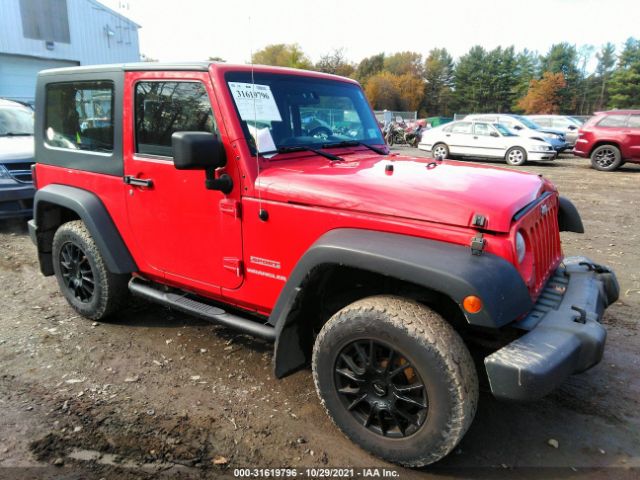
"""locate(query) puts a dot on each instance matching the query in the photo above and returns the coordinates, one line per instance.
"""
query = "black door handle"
(447, 135)
(138, 182)
(475, 138)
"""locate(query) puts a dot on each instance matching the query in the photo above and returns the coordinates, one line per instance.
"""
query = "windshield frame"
(367, 125)
(23, 111)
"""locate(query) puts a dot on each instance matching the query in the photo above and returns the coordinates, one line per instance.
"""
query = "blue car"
(525, 127)
(16, 158)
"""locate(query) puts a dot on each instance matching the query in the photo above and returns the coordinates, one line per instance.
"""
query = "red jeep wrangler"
(210, 188)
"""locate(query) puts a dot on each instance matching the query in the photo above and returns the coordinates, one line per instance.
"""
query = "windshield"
(293, 111)
(16, 121)
(528, 123)
(504, 131)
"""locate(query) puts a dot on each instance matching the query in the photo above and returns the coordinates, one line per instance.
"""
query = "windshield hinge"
(477, 244)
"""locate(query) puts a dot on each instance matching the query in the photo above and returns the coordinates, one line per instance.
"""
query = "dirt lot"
(157, 393)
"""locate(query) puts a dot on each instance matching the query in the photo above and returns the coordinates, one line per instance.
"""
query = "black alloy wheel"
(76, 272)
(381, 388)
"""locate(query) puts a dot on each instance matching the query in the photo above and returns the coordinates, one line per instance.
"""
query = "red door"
(186, 234)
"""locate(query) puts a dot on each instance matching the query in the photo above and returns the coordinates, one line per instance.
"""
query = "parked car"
(16, 158)
(525, 128)
(565, 123)
(378, 271)
(484, 139)
(610, 139)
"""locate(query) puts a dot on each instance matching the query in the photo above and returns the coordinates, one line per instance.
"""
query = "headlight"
(521, 247)
(4, 173)
(553, 135)
(540, 148)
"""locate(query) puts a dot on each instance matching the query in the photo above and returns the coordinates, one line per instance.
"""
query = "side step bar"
(145, 290)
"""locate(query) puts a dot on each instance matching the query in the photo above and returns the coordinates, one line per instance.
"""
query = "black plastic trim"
(439, 266)
(200, 309)
(567, 339)
(569, 219)
(95, 216)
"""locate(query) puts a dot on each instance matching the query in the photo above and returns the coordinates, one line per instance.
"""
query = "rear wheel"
(440, 150)
(606, 158)
(396, 379)
(89, 287)
(516, 156)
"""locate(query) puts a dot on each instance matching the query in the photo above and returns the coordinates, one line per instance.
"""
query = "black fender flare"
(569, 219)
(95, 216)
(443, 267)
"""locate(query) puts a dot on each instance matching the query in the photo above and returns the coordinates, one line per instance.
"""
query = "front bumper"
(538, 156)
(564, 333)
(16, 200)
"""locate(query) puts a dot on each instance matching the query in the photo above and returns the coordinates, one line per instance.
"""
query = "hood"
(551, 130)
(447, 192)
(16, 149)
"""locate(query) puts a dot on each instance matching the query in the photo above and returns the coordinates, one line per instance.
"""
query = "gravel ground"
(154, 393)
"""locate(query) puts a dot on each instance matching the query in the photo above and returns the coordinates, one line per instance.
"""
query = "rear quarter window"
(613, 121)
(79, 116)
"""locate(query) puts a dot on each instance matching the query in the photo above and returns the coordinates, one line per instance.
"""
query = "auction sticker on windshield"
(255, 102)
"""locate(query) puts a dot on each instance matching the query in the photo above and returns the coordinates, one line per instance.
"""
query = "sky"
(197, 29)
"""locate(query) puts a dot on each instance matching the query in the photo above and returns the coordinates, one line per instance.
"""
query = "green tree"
(606, 62)
(282, 55)
(470, 82)
(368, 67)
(405, 63)
(527, 67)
(335, 63)
(563, 58)
(626, 78)
(438, 74)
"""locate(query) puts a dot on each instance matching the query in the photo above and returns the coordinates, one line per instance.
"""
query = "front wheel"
(396, 379)
(516, 156)
(89, 287)
(606, 158)
(440, 151)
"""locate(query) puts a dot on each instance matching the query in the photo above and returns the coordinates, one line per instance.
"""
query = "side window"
(613, 121)
(634, 121)
(163, 108)
(482, 129)
(462, 127)
(79, 116)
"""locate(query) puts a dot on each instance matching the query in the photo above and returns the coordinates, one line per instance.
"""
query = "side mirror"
(197, 151)
(202, 151)
(517, 127)
(572, 127)
(494, 134)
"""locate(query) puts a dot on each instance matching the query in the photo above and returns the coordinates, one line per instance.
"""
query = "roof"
(186, 66)
(10, 103)
(618, 112)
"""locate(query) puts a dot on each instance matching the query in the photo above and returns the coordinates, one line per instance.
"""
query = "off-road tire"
(606, 158)
(440, 150)
(110, 290)
(439, 357)
(516, 156)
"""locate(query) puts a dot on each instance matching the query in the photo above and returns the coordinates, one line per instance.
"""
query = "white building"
(39, 34)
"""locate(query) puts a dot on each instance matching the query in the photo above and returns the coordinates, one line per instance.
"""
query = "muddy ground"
(155, 393)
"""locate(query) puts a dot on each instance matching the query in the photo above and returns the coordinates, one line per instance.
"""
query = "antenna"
(262, 213)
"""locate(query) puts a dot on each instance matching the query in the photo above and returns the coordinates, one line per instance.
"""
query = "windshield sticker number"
(255, 102)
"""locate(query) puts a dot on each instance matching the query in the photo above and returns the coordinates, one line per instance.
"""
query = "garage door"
(18, 75)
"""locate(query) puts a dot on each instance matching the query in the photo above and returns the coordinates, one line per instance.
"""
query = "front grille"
(541, 227)
(20, 171)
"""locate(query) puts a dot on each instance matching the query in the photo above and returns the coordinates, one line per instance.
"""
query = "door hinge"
(232, 264)
(477, 244)
(230, 207)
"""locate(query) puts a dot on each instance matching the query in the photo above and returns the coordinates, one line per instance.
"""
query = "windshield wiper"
(354, 143)
(302, 148)
(16, 134)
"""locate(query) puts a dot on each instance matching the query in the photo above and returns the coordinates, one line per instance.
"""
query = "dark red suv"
(610, 139)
